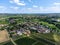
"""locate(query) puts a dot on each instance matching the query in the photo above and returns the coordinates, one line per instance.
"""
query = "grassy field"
(35, 39)
(9, 43)
(25, 41)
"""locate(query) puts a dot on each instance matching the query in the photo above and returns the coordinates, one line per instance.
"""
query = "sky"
(29, 6)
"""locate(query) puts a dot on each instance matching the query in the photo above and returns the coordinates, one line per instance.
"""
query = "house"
(33, 29)
(47, 31)
(12, 20)
(27, 32)
(43, 30)
(58, 20)
(19, 32)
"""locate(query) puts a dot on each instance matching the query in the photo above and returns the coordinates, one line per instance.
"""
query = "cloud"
(18, 2)
(15, 8)
(11, 1)
(55, 7)
(29, 8)
(1, 6)
(41, 8)
(2, 9)
(22, 4)
(35, 6)
(56, 3)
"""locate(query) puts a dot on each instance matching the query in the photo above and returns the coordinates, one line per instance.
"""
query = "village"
(27, 28)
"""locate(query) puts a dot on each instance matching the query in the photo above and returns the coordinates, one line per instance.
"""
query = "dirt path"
(13, 41)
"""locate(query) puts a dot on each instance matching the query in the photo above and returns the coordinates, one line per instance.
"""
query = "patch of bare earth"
(4, 36)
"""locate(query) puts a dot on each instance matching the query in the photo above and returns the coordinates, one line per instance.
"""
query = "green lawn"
(48, 36)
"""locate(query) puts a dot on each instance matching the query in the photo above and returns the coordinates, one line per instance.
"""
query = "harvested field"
(4, 36)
